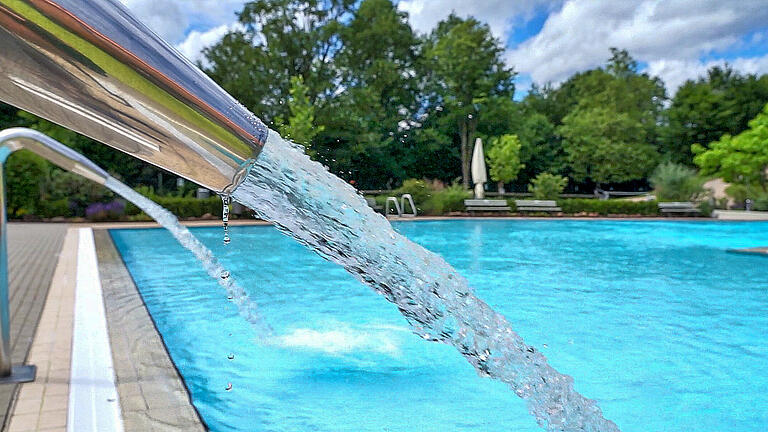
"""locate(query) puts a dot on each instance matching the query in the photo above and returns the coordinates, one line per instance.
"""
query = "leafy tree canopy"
(742, 158)
(504, 158)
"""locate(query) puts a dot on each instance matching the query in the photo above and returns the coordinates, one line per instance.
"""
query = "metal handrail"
(12, 140)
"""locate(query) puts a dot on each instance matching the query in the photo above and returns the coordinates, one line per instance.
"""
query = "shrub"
(183, 207)
(450, 199)
(547, 186)
(77, 190)
(609, 207)
(675, 182)
(420, 190)
(102, 212)
(54, 208)
(24, 176)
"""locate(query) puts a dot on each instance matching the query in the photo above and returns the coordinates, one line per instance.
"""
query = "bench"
(537, 206)
(484, 205)
(372, 204)
(678, 207)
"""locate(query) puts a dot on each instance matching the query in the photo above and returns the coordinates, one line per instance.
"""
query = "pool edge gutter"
(152, 392)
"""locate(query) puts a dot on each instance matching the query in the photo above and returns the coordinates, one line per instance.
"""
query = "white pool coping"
(94, 404)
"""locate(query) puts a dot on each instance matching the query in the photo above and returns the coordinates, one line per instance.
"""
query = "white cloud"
(165, 17)
(172, 19)
(676, 72)
(193, 45)
(668, 35)
(501, 15)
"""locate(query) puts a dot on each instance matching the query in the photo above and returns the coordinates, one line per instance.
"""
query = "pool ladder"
(400, 206)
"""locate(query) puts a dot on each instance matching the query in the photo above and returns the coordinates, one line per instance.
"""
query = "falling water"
(325, 214)
(235, 293)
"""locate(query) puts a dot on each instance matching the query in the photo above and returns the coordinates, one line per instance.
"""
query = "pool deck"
(33, 254)
(48, 306)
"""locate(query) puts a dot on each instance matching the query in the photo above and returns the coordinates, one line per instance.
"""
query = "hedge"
(608, 207)
(183, 207)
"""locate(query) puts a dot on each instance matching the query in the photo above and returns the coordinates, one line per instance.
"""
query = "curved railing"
(12, 140)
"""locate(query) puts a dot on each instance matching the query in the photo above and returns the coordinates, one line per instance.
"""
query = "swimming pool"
(653, 319)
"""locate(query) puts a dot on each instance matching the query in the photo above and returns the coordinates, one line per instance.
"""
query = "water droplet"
(229, 387)
(230, 356)
(470, 116)
(230, 297)
(225, 201)
(224, 274)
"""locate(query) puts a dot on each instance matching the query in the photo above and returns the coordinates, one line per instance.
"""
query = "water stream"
(327, 215)
(167, 220)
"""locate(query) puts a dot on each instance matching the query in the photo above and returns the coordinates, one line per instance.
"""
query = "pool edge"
(153, 394)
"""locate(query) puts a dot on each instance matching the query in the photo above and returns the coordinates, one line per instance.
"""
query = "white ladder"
(400, 206)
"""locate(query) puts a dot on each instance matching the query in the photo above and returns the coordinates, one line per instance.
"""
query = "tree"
(542, 149)
(281, 39)
(604, 146)
(740, 159)
(370, 122)
(504, 159)
(9, 117)
(25, 174)
(468, 70)
(703, 110)
(547, 186)
(300, 127)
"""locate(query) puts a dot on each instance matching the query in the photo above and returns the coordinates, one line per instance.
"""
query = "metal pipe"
(12, 140)
(92, 67)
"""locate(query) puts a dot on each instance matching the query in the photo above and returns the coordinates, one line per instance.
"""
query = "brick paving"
(33, 252)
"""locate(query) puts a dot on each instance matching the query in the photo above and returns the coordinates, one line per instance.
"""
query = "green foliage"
(430, 200)
(547, 186)
(541, 149)
(77, 190)
(378, 103)
(25, 174)
(605, 146)
(183, 207)
(740, 159)
(676, 182)
(300, 127)
(420, 190)
(504, 158)
(50, 208)
(609, 207)
(704, 110)
(282, 39)
(446, 200)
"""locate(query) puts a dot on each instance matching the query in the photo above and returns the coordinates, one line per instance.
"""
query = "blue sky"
(546, 40)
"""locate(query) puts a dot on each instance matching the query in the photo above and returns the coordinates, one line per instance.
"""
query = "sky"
(545, 40)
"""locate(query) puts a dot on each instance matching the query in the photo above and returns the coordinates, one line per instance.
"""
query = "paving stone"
(33, 252)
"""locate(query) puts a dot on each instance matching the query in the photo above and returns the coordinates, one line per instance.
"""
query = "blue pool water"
(652, 319)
